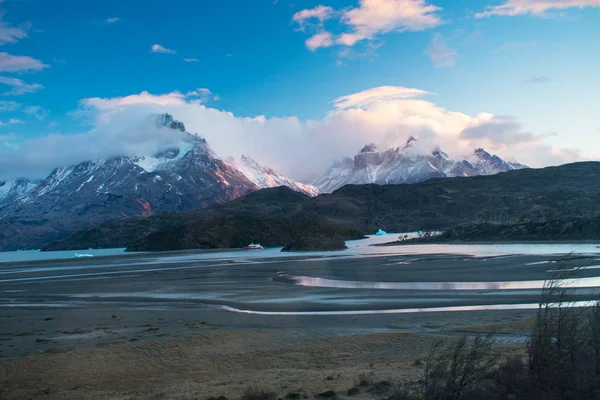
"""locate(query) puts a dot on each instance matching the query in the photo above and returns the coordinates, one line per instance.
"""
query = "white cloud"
(535, 7)
(319, 13)
(157, 48)
(9, 105)
(10, 63)
(321, 39)
(18, 86)
(12, 121)
(202, 94)
(38, 112)
(11, 34)
(372, 18)
(386, 115)
(378, 94)
(112, 20)
(379, 16)
(191, 60)
(440, 53)
(163, 100)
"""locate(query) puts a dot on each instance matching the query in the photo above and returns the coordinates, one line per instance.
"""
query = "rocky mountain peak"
(409, 142)
(369, 148)
(439, 153)
(250, 162)
(168, 121)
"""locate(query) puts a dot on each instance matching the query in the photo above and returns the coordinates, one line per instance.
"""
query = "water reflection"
(591, 282)
(530, 306)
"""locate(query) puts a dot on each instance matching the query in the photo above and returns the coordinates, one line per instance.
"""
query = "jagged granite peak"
(249, 162)
(168, 121)
(396, 166)
(409, 142)
(369, 148)
(440, 153)
(489, 164)
(265, 177)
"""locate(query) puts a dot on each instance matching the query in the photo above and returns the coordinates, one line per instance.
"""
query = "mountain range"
(188, 175)
(401, 165)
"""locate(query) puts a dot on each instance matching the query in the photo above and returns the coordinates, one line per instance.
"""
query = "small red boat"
(253, 246)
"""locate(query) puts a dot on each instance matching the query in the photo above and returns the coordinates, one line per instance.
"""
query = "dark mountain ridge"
(277, 215)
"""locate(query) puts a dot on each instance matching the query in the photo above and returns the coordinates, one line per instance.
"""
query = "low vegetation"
(255, 393)
(562, 362)
(545, 230)
(315, 243)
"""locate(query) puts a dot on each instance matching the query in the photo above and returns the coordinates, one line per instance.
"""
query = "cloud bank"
(385, 115)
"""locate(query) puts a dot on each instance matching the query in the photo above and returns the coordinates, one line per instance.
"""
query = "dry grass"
(523, 326)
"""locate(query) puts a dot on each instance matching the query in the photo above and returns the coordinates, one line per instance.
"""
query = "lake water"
(33, 255)
(355, 248)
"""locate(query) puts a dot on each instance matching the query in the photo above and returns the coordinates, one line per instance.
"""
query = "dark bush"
(330, 394)
(254, 393)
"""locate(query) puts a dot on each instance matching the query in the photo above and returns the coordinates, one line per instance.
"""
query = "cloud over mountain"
(385, 115)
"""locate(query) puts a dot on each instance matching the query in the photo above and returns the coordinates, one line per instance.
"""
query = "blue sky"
(533, 62)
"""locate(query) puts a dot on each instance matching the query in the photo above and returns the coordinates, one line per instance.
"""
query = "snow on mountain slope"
(265, 177)
(399, 165)
(15, 189)
(334, 175)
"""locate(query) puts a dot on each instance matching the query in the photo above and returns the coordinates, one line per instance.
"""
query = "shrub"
(364, 379)
(330, 394)
(254, 393)
(457, 369)
(563, 360)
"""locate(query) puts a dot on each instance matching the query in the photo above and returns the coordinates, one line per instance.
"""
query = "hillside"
(273, 216)
(578, 229)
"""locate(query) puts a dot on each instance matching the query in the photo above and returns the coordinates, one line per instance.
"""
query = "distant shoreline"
(483, 242)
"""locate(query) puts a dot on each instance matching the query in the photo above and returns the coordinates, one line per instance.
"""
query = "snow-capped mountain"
(265, 177)
(179, 178)
(398, 165)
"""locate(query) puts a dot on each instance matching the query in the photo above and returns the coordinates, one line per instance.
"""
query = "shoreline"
(484, 242)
